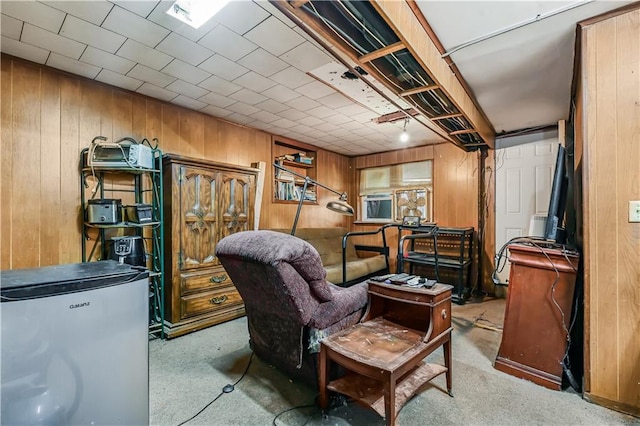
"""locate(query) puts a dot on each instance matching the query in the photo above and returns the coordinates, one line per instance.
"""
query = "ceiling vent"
(387, 41)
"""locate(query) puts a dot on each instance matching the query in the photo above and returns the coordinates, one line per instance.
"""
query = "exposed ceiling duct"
(387, 41)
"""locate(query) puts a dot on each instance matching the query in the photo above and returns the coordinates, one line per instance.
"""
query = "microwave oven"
(120, 155)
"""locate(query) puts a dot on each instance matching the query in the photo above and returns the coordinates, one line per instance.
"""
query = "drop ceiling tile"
(364, 131)
(274, 36)
(130, 25)
(10, 27)
(184, 49)
(261, 126)
(227, 43)
(284, 123)
(306, 57)
(242, 108)
(215, 111)
(303, 103)
(93, 35)
(310, 121)
(363, 117)
(91, 11)
(187, 89)
(316, 134)
(145, 55)
(222, 67)
(263, 62)
(65, 63)
(118, 80)
(248, 96)
(106, 60)
(301, 128)
(315, 90)
(272, 106)
(335, 100)
(35, 13)
(187, 102)
(23, 50)
(321, 112)
(326, 127)
(36, 36)
(341, 133)
(281, 93)
(142, 8)
(217, 100)
(293, 114)
(186, 72)
(355, 109)
(239, 118)
(160, 17)
(219, 85)
(349, 125)
(266, 5)
(266, 116)
(310, 39)
(339, 119)
(254, 81)
(291, 77)
(156, 92)
(241, 16)
(152, 76)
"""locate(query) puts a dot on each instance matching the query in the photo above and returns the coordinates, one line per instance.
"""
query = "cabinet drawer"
(210, 280)
(211, 301)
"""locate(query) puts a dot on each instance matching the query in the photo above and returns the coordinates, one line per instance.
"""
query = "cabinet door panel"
(198, 216)
(237, 200)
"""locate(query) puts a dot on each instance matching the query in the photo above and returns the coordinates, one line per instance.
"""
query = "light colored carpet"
(188, 372)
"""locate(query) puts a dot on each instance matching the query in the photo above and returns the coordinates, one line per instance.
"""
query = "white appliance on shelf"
(74, 345)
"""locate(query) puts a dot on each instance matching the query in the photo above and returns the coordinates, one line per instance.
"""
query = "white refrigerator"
(74, 345)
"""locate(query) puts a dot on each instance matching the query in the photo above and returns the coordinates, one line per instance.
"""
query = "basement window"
(389, 193)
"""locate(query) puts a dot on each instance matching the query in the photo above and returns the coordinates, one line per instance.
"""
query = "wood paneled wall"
(610, 147)
(48, 117)
(456, 189)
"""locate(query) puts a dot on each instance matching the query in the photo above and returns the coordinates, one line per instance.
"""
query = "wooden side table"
(384, 352)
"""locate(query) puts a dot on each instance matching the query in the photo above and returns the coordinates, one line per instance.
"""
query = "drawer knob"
(218, 278)
(218, 300)
(444, 314)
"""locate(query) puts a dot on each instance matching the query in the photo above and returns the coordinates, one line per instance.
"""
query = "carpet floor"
(188, 373)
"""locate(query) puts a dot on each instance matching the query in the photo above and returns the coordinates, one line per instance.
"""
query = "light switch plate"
(634, 211)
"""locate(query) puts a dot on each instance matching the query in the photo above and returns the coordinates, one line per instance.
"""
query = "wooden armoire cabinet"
(203, 203)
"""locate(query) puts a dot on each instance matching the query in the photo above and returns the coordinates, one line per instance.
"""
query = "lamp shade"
(340, 206)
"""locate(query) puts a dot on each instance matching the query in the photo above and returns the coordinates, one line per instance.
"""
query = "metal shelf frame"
(153, 237)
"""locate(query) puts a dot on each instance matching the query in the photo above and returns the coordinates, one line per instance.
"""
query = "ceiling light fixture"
(195, 12)
(404, 136)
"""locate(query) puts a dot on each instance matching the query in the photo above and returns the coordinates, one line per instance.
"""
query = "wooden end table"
(384, 352)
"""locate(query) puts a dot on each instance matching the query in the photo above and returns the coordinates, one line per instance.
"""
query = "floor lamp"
(338, 206)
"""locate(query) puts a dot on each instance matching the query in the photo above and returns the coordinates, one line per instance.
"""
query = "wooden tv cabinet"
(537, 315)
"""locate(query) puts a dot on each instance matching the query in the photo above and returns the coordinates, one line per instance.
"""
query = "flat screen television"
(554, 226)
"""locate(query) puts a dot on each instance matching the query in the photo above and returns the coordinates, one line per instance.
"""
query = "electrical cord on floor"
(228, 388)
(291, 409)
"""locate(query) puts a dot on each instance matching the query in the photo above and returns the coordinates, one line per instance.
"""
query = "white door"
(523, 187)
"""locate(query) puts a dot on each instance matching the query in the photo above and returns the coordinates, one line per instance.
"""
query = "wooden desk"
(537, 315)
(384, 353)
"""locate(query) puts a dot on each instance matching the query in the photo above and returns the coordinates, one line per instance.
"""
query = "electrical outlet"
(634, 211)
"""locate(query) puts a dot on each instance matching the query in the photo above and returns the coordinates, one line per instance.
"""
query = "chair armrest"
(383, 249)
(345, 301)
(432, 233)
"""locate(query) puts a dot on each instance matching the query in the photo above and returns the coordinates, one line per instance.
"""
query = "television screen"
(554, 226)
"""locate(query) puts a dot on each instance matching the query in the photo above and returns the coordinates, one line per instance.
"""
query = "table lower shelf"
(371, 392)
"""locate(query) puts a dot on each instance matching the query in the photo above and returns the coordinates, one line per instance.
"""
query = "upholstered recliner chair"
(289, 304)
